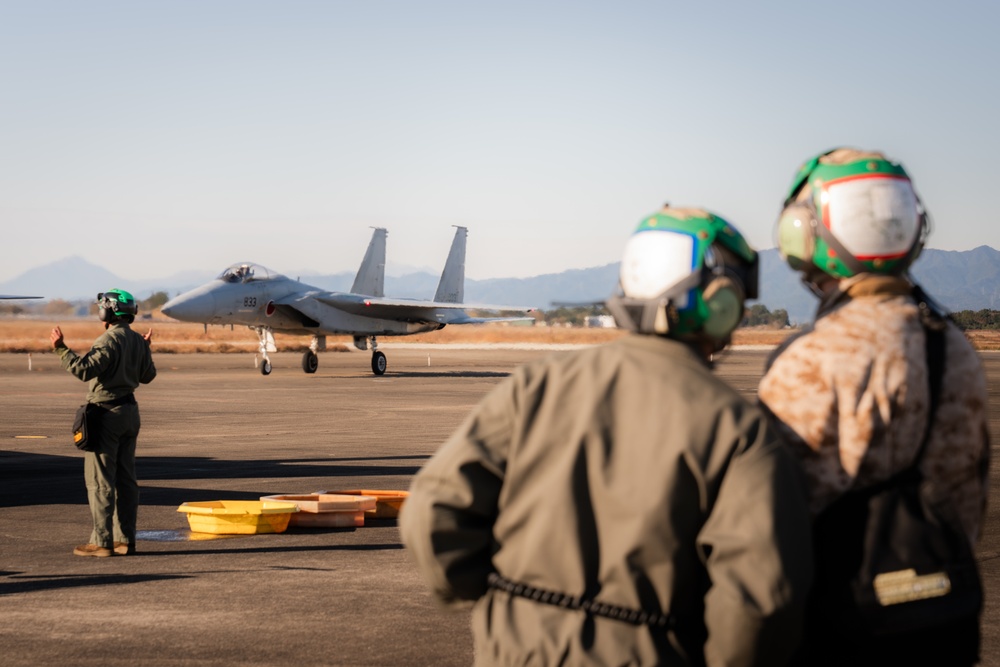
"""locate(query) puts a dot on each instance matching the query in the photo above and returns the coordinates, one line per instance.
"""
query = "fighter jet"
(268, 302)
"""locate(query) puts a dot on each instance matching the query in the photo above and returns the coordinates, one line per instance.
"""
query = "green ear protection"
(849, 212)
(724, 302)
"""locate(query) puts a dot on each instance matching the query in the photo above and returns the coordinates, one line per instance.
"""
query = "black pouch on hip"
(85, 426)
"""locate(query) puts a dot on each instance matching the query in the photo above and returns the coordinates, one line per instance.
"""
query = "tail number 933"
(249, 302)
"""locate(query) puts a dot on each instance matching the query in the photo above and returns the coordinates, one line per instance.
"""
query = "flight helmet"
(685, 273)
(850, 211)
(116, 305)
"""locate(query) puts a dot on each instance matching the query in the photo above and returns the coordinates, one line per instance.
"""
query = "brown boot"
(123, 549)
(92, 550)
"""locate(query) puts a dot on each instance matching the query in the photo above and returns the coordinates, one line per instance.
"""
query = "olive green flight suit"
(117, 363)
(624, 474)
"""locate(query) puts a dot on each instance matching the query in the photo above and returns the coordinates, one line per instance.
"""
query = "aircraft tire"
(378, 363)
(310, 362)
(265, 368)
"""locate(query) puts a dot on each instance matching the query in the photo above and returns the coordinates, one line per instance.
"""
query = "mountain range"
(959, 280)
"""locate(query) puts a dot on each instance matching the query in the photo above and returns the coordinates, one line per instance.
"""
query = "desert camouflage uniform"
(851, 393)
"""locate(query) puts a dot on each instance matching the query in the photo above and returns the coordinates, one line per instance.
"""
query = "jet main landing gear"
(378, 359)
(310, 362)
(378, 363)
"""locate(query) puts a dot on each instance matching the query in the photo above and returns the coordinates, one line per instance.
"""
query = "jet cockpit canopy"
(244, 272)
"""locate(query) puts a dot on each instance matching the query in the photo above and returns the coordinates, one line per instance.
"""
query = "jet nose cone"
(194, 306)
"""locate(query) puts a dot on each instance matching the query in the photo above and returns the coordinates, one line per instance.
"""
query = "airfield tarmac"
(214, 429)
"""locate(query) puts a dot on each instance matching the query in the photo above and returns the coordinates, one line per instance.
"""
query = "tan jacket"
(851, 393)
(627, 474)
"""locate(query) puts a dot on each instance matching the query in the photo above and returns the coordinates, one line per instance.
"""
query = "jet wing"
(485, 320)
(410, 310)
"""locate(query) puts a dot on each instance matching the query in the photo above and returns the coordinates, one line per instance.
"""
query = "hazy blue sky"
(150, 137)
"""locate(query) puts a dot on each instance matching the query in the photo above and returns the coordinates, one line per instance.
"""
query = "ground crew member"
(850, 393)
(117, 363)
(620, 504)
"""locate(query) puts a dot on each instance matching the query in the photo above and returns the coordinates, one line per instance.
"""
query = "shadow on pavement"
(448, 374)
(215, 551)
(46, 479)
(30, 584)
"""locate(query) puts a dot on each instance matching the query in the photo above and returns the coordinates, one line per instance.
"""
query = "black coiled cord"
(543, 596)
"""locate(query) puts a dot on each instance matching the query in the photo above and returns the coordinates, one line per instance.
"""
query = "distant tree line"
(758, 315)
(155, 300)
(54, 308)
(63, 308)
(571, 316)
(977, 320)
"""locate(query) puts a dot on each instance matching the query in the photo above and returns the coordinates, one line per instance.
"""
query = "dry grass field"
(169, 336)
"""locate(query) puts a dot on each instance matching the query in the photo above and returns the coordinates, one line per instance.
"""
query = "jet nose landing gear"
(266, 345)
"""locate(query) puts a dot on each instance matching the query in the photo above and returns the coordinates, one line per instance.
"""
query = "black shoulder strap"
(934, 324)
